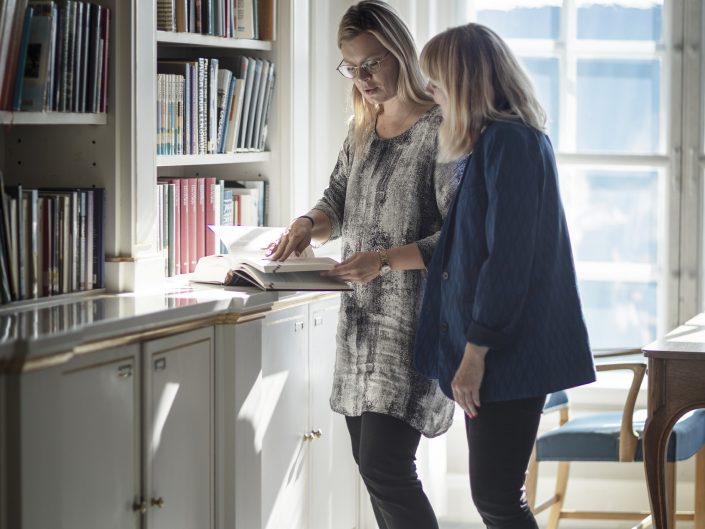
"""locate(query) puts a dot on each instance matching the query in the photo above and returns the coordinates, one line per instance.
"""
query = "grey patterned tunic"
(391, 195)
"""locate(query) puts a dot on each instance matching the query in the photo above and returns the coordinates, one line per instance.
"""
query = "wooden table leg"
(656, 432)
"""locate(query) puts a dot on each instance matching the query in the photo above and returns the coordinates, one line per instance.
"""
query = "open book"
(246, 266)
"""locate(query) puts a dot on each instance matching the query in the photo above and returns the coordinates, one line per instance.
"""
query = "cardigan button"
(444, 275)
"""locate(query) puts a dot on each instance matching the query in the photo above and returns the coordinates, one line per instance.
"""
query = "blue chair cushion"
(555, 401)
(596, 438)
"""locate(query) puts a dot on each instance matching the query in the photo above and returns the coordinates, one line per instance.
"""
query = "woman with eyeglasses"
(501, 324)
(387, 198)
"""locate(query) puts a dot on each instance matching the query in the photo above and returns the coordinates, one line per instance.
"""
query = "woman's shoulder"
(516, 132)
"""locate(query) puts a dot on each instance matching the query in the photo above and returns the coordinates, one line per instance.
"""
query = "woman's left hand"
(361, 267)
(468, 379)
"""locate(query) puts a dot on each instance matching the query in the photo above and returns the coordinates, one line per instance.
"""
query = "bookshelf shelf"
(52, 118)
(194, 39)
(212, 159)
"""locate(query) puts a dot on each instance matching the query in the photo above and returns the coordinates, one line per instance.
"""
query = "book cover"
(185, 234)
(212, 106)
(254, 97)
(248, 68)
(235, 111)
(104, 66)
(259, 106)
(211, 214)
(200, 218)
(267, 19)
(14, 37)
(192, 222)
(22, 59)
(262, 140)
(245, 19)
(224, 77)
(39, 57)
(245, 264)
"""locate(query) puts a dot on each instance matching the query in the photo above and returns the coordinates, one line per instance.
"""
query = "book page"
(247, 244)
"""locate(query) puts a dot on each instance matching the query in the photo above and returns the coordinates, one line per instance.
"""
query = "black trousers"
(384, 449)
(500, 441)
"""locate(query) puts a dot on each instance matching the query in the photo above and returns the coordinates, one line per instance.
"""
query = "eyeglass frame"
(377, 62)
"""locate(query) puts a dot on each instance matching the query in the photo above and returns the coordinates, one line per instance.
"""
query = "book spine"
(177, 226)
(202, 106)
(201, 218)
(193, 223)
(90, 228)
(185, 227)
(211, 215)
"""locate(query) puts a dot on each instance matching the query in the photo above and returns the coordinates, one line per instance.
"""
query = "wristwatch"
(384, 267)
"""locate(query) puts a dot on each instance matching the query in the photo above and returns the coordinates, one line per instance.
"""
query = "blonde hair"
(380, 20)
(483, 81)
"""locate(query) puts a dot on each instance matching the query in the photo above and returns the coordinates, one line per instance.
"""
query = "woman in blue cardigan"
(501, 324)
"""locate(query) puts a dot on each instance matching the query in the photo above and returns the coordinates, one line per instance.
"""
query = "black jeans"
(384, 449)
(500, 441)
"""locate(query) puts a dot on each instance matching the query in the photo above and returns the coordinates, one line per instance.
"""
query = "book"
(22, 59)
(40, 54)
(246, 266)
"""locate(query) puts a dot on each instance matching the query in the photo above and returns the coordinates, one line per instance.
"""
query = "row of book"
(51, 241)
(187, 206)
(243, 19)
(203, 108)
(54, 56)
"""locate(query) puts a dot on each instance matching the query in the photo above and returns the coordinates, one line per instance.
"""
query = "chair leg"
(561, 487)
(700, 489)
(671, 492)
(532, 475)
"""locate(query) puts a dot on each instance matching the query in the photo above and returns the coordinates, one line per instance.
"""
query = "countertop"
(50, 327)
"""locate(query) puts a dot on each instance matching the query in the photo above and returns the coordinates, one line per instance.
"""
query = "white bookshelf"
(212, 159)
(52, 118)
(170, 38)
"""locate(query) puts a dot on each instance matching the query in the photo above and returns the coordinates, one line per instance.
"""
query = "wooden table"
(676, 385)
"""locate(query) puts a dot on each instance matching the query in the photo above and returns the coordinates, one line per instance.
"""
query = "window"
(602, 70)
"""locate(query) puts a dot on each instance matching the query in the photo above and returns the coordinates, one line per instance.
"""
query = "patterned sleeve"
(445, 179)
(333, 201)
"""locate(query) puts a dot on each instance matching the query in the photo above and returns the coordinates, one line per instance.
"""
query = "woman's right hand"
(295, 239)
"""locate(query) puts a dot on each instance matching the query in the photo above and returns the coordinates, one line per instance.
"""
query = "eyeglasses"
(351, 72)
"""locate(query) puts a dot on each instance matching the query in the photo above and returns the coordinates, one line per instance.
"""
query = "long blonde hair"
(381, 21)
(483, 81)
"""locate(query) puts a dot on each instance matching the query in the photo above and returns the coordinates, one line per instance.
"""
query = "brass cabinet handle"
(312, 435)
(140, 507)
(159, 502)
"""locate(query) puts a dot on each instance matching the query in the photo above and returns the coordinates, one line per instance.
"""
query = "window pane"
(620, 20)
(619, 314)
(516, 19)
(544, 75)
(613, 215)
(618, 106)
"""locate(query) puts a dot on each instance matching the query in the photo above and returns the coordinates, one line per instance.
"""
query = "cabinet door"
(178, 435)
(79, 436)
(283, 418)
(333, 496)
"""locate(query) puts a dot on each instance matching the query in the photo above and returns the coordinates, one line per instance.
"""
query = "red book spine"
(177, 225)
(184, 235)
(201, 218)
(211, 213)
(192, 223)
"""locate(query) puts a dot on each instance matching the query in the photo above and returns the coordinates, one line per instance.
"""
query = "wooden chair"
(615, 437)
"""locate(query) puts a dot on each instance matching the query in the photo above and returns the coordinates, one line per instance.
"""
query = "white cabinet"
(286, 455)
(178, 433)
(78, 443)
(122, 438)
(333, 497)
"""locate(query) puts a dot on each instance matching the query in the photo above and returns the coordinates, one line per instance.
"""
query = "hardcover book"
(245, 264)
